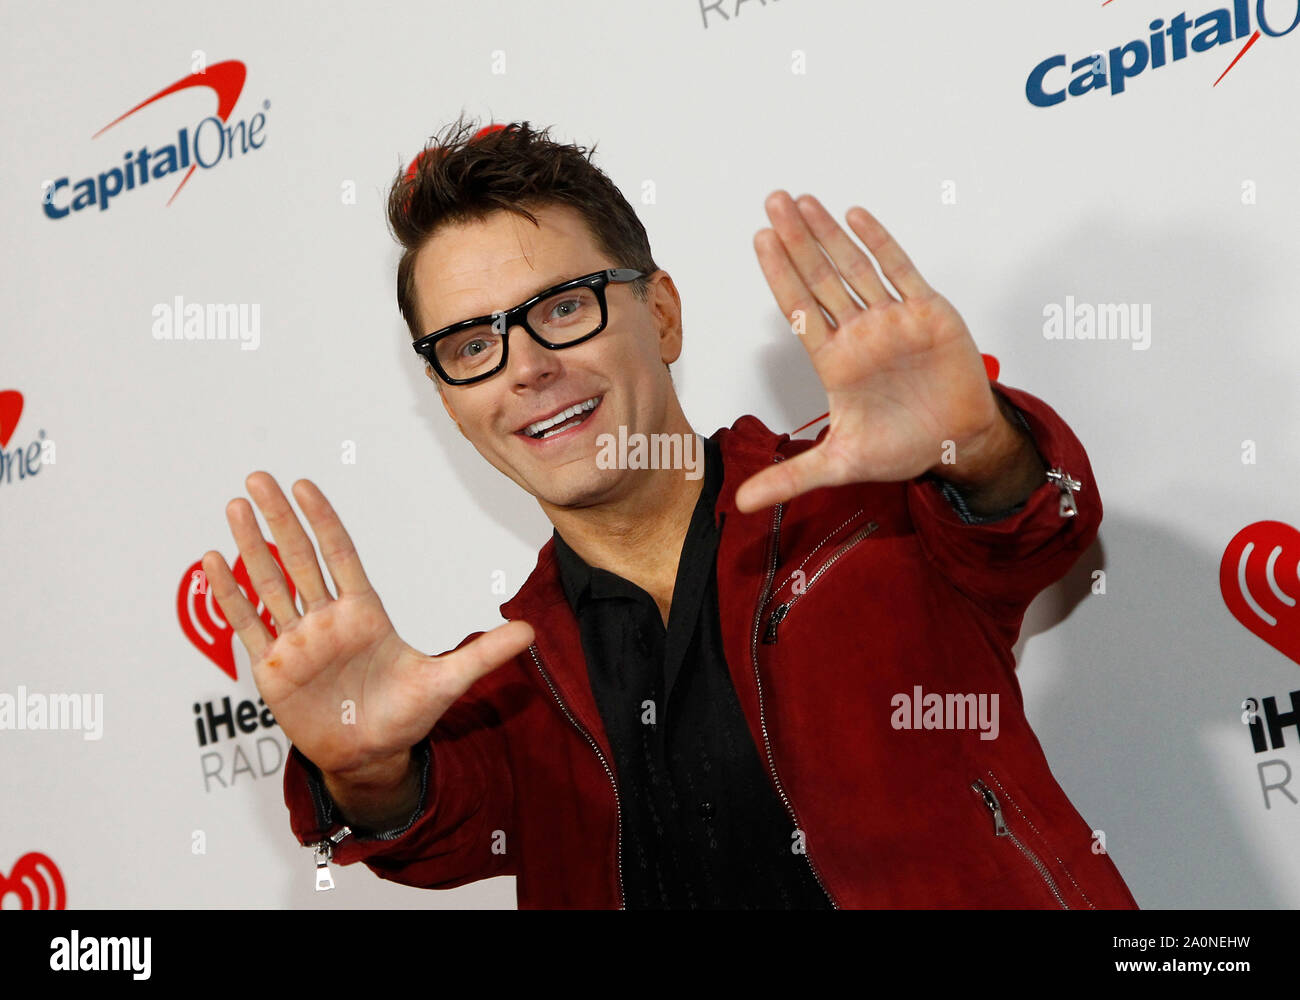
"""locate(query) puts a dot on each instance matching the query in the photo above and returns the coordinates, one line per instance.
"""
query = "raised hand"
(344, 687)
(901, 377)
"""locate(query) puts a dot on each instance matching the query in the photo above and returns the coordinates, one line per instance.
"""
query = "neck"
(639, 536)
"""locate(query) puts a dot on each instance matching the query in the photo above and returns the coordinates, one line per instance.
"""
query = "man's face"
(478, 268)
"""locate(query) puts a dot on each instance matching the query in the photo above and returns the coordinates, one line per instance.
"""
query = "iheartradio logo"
(36, 881)
(201, 618)
(1260, 580)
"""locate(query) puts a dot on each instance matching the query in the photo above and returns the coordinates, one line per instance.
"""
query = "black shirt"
(703, 827)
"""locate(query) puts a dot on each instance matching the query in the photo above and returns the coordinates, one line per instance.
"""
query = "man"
(787, 683)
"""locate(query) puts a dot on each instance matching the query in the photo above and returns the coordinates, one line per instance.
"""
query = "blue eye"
(575, 303)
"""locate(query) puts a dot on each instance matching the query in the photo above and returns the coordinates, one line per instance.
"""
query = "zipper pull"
(778, 615)
(994, 806)
(323, 878)
(325, 851)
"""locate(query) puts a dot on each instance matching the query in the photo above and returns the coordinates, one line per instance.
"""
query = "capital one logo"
(26, 461)
(214, 140)
(1259, 576)
(201, 618)
(1056, 78)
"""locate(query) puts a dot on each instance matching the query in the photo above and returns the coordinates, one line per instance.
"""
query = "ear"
(666, 305)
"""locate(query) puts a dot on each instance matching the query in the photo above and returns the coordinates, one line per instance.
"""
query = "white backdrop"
(1176, 194)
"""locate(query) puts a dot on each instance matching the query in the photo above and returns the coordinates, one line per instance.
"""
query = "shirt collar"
(747, 447)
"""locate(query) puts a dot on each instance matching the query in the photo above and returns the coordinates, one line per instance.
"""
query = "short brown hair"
(466, 173)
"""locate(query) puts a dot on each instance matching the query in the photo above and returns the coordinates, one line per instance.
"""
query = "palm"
(344, 687)
(902, 378)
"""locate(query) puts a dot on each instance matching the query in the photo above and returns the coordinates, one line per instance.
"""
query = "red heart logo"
(1260, 580)
(36, 881)
(201, 618)
(11, 408)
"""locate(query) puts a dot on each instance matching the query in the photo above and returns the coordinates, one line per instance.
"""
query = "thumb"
(462, 667)
(786, 480)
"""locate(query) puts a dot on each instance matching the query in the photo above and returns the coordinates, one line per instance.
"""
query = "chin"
(578, 491)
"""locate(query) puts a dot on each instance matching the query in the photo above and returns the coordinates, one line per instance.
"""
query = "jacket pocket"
(1009, 822)
(823, 556)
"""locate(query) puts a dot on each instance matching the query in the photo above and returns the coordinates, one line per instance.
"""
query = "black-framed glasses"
(562, 316)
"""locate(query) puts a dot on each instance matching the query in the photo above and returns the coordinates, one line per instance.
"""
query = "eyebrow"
(540, 289)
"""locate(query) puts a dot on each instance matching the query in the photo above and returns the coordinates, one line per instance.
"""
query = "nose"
(530, 363)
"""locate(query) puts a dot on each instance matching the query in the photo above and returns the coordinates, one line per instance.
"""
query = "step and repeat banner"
(198, 283)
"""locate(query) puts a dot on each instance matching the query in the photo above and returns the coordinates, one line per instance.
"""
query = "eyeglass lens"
(560, 319)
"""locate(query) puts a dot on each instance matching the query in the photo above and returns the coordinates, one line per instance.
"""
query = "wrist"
(1001, 469)
(376, 778)
(378, 773)
(379, 793)
(988, 457)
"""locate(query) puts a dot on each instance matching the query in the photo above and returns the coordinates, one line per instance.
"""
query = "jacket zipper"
(781, 610)
(618, 806)
(774, 539)
(1001, 829)
(323, 850)
(817, 548)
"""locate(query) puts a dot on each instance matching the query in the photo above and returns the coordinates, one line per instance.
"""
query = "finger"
(797, 304)
(235, 607)
(460, 669)
(335, 543)
(816, 271)
(296, 551)
(856, 267)
(786, 480)
(897, 266)
(263, 573)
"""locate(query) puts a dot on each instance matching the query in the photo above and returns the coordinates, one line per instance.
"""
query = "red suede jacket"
(834, 607)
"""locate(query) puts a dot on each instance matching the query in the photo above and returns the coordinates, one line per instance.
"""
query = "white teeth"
(533, 430)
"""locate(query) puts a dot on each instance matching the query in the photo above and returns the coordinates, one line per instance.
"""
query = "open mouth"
(563, 421)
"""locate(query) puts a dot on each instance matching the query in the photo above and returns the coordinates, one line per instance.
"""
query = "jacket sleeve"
(464, 821)
(1002, 561)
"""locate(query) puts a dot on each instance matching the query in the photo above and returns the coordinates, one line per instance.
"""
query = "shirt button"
(706, 810)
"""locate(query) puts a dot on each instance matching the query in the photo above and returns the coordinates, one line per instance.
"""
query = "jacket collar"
(748, 446)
